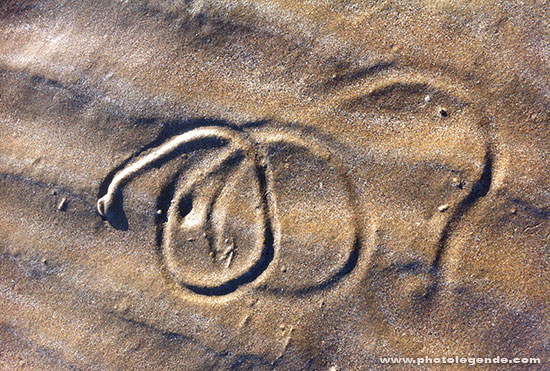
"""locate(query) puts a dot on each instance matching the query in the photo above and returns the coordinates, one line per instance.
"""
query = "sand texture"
(258, 185)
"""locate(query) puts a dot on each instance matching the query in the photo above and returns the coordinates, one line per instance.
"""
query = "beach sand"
(250, 185)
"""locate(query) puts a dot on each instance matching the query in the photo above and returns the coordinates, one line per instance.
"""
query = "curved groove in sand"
(246, 144)
(459, 92)
(479, 190)
(250, 140)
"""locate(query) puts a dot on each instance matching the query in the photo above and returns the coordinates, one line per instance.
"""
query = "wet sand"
(272, 185)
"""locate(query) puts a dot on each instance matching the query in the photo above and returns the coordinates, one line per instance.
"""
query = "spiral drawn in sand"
(274, 207)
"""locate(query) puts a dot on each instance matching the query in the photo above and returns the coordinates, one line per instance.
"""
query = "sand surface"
(250, 185)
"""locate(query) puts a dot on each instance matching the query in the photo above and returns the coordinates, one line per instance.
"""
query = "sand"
(231, 185)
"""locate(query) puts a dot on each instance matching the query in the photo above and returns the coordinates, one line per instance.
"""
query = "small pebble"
(251, 302)
(456, 182)
(62, 205)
